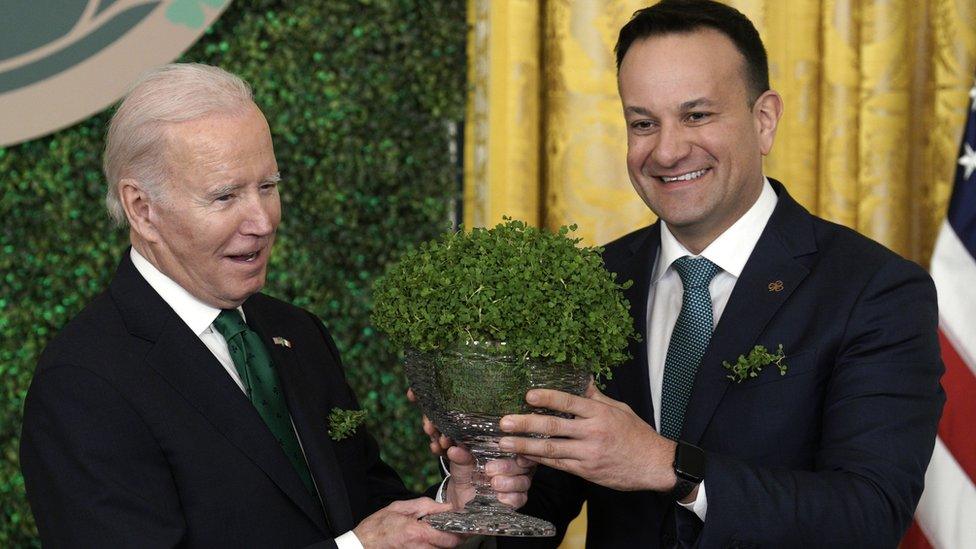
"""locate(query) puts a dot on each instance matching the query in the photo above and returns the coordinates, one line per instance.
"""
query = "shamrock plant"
(343, 423)
(537, 291)
(749, 366)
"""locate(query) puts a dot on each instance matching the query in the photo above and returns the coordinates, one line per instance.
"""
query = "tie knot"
(229, 323)
(695, 272)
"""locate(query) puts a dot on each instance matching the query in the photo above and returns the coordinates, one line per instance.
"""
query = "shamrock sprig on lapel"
(343, 423)
(749, 366)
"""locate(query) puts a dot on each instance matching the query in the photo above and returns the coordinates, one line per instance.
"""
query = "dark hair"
(682, 16)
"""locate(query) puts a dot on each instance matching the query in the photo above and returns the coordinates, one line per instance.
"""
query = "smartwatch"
(689, 468)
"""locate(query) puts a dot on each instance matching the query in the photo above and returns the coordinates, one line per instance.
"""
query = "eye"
(696, 117)
(224, 197)
(642, 126)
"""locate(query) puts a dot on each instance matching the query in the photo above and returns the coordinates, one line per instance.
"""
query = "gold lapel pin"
(775, 286)
(281, 341)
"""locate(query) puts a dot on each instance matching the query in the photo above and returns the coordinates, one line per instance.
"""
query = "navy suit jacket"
(831, 454)
(135, 436)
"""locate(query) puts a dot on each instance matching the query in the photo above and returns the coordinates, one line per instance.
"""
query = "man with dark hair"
(682, 17)
(821, 432)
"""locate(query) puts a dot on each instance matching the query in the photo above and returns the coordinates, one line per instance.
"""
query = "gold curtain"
(875, 93)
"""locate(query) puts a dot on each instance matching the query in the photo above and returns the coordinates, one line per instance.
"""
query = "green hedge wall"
(360, 95)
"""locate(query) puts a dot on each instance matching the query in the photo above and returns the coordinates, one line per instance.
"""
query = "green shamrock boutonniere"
(343, 423)
(749, 366)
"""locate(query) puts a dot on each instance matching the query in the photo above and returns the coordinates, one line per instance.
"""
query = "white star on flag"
(968, 161)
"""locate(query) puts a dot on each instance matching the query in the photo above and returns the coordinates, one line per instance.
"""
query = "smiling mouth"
(684, 177)
(247, 258)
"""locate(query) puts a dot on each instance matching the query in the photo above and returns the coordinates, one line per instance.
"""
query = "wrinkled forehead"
(220, 134)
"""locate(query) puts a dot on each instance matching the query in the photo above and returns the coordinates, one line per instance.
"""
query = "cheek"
(636, 153)
(210, 237)
(275, 214)
(180, 232)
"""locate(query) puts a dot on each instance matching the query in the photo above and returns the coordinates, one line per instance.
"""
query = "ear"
(767, 111)
(138, 209)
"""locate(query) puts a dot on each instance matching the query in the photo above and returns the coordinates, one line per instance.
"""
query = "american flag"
(946, 514)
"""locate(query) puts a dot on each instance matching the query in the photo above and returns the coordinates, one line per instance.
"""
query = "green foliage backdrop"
(360, 95)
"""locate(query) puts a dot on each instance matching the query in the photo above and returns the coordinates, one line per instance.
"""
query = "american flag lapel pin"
(281, 341)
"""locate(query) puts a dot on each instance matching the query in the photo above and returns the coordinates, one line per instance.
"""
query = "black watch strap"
(689, 468)
(682, 488)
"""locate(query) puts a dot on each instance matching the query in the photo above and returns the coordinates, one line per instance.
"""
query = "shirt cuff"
(700, 505)
(348, 541)
(443, 487)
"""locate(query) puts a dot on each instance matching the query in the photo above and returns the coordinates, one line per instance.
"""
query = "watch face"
(689, 462)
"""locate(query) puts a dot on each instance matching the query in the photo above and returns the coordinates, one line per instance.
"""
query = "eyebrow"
(638, 110)
(695, 103)
(231, 187)
(686, 106)
(224, 189)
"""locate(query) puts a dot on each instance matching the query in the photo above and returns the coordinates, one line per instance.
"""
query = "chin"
(241, 293)
(683, 220)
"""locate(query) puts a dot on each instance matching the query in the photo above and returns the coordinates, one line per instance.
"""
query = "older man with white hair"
(182, 407)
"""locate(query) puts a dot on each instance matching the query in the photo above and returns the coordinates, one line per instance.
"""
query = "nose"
(671, 147)
(260, 216)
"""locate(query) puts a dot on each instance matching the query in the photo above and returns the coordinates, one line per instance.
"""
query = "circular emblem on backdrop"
(63, 60)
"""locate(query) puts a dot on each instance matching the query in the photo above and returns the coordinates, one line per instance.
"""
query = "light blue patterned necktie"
(690, 337)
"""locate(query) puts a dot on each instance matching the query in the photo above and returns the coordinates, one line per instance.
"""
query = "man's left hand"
(605, 443)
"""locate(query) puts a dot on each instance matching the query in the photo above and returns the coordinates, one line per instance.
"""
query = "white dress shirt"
(199, 317)
(729, 251)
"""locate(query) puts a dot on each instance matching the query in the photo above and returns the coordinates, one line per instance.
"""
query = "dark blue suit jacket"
(135, 436)
(831, 454)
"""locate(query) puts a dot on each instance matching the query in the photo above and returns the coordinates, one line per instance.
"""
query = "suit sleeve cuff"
(700, 505)
(348, 541)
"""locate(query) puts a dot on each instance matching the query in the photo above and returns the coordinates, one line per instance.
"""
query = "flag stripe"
(954, 273)
(947, 511)
(915, 538)
(959, 414)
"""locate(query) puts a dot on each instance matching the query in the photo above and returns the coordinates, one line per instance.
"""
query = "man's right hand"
(397, 526)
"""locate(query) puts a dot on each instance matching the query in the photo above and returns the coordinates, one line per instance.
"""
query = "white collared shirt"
(729, 251)
(199, 317)
(196, 314)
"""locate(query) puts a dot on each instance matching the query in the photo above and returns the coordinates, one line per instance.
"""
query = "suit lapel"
(185, 363)
(770, 276)
(632, 379)
(309, 411)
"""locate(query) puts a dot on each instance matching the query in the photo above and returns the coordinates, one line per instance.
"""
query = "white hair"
(136, 141)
